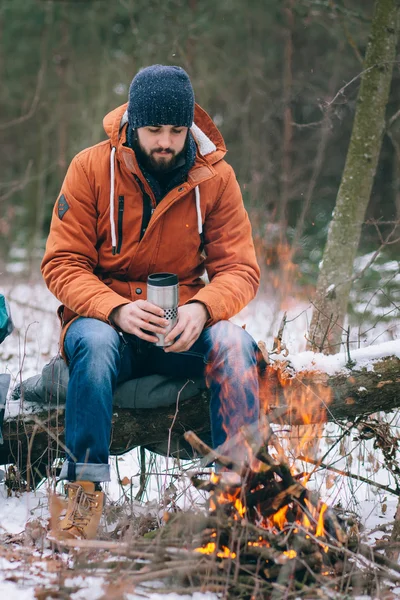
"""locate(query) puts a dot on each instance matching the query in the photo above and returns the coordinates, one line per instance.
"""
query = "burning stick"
(211, 455)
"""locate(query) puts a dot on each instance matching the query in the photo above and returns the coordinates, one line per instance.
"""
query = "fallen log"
(35, 423)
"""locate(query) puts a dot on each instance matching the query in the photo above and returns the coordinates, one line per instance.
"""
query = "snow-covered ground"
(35, 341)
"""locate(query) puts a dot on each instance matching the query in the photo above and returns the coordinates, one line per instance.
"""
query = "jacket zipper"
(147, 212)
(148, 208)
(120, 222)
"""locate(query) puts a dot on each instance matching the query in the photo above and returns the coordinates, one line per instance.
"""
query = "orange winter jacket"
(95, 258)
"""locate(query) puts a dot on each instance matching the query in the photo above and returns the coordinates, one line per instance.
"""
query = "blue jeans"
(100, 358)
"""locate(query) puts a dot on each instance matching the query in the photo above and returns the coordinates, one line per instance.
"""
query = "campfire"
(266, 522)
(263, 536)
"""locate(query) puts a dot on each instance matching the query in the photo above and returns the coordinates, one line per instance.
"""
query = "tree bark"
(335, 277)
(287, 112)
(306, 397)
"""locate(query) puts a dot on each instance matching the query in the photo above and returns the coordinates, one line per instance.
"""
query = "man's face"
(161, 145)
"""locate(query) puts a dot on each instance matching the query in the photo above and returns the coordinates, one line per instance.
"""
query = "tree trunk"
(287, 113)
(306, 397)
(335, 277)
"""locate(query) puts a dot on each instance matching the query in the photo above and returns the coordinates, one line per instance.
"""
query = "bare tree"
(335, 277)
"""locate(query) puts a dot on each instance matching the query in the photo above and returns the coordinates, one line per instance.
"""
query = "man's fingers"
(181, 345)
(148, 317)
(185, 342)
(135, 322)
(149, 307)
(135, 329)
(143, 324)
(145, 336)
(177, 330)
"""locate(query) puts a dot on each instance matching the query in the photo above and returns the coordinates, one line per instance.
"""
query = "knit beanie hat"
(161, 95)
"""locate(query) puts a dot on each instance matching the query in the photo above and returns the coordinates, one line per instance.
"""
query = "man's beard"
(159, 165)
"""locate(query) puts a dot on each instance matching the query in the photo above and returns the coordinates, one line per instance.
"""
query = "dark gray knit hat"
(161, 95)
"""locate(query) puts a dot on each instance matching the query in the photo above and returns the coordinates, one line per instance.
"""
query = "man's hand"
(191, 320)
(138, 316)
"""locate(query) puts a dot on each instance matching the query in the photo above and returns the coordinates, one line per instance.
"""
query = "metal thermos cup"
(163, 291)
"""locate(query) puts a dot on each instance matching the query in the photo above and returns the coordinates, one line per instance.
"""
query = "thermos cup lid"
(162, 279)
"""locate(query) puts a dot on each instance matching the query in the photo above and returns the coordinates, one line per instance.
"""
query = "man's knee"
(226, 337)
(91, 336)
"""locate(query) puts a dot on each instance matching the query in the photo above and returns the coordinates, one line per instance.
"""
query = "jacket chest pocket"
(146, 211)
(180, 241)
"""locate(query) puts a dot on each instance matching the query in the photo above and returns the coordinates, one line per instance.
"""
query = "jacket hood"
(208, 138)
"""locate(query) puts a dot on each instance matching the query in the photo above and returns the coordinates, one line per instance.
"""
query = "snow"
(91, 587)
(35, 338)
(16, 511)
(362, 261)
(11, 591)
(335, 363)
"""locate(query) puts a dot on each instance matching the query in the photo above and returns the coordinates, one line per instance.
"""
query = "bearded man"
(156, 196)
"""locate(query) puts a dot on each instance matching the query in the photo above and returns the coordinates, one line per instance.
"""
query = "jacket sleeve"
(231, 261)
(71, 257)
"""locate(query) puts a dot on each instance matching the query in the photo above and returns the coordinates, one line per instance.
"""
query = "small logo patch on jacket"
(62, 206)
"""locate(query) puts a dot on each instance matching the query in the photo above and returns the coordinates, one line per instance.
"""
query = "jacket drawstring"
(112, 184)
(199, 219)
(198, 210)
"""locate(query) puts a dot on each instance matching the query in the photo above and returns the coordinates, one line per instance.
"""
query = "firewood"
(211, 455)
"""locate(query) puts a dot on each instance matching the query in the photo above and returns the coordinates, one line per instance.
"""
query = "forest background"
(280, 79)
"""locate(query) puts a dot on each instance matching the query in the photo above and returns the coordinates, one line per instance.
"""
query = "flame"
(261, 544)
(307, 397)
(221, 498)
(308, 400)
(211, 548)
(312, 519)
(240, 508)
(274, 250)
(208, 549)
(279, 518)
(320, 525)
(214, 478)
(244, 383)
(226, 553)
(306, 522)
